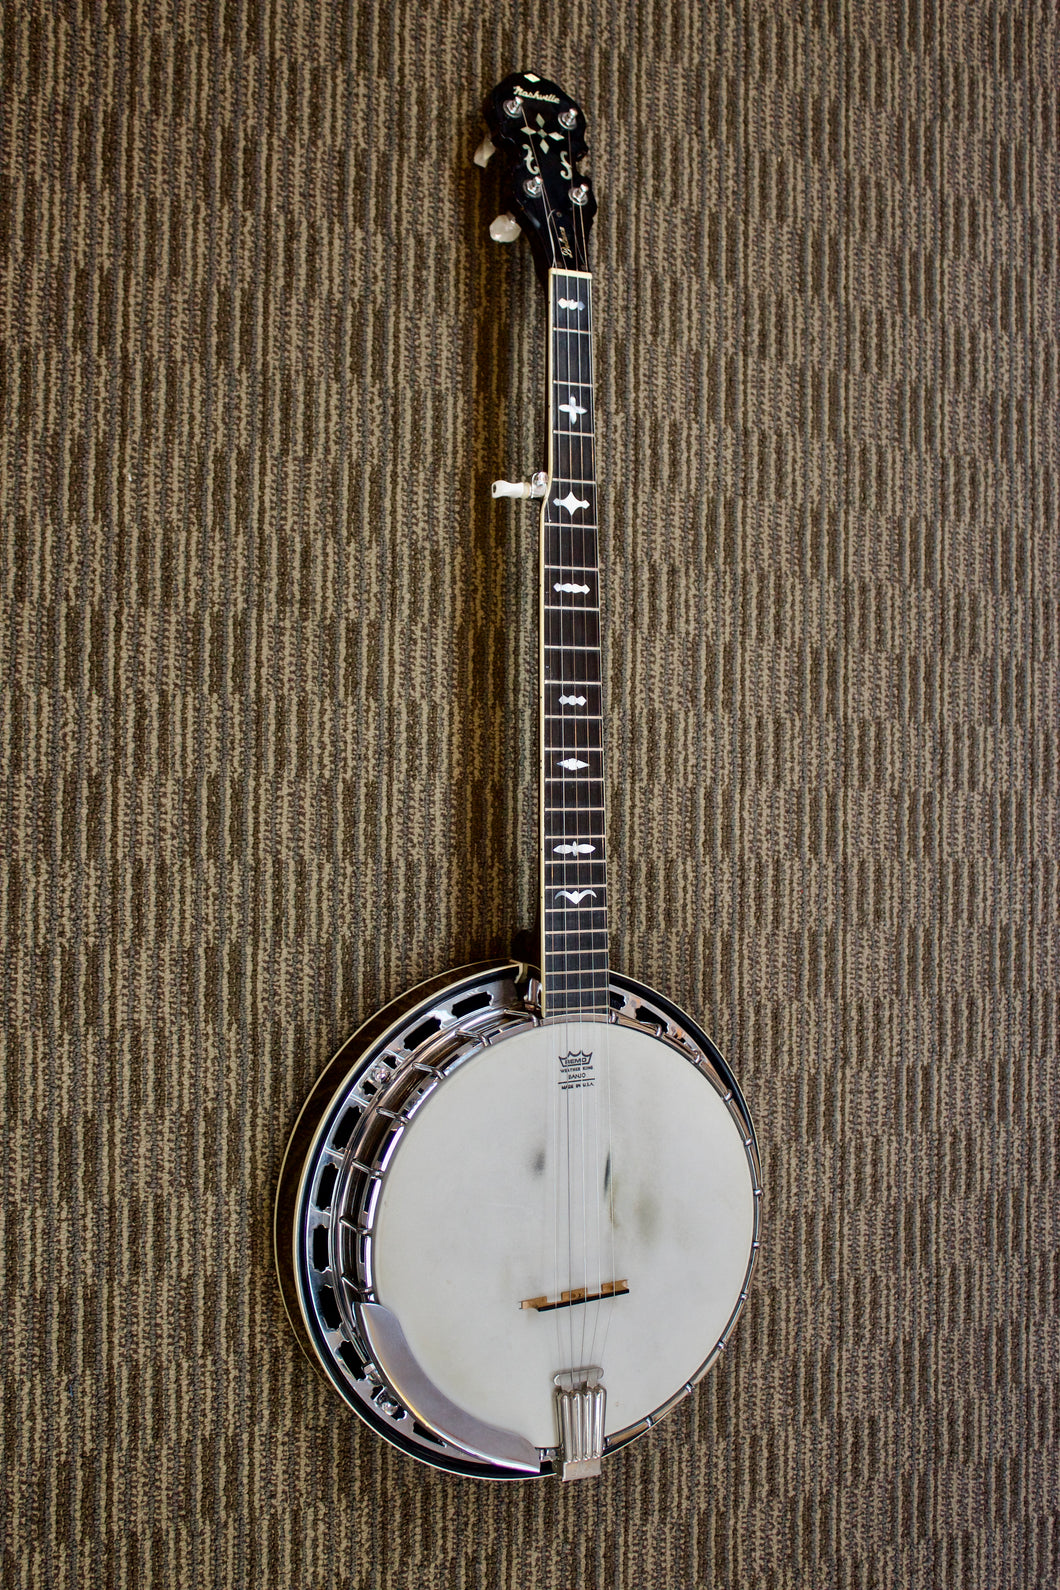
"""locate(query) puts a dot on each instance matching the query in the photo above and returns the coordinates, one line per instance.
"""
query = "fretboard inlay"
(572, 503)
(573, 409)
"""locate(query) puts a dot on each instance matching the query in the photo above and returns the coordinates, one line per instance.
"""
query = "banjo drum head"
(587, 1159)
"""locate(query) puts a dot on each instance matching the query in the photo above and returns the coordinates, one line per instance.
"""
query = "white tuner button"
(484, 151)
(538, 487)
(505, 229)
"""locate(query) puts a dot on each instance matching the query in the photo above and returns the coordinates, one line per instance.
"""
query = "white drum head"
(576, 1157)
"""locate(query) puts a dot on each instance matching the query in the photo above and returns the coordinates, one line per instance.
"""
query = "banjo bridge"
(577, 1294)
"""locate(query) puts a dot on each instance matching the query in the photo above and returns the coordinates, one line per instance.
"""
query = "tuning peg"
(505, 228)
(483, 153)
(521, 488)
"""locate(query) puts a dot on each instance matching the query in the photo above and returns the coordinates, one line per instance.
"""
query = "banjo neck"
(572, 799)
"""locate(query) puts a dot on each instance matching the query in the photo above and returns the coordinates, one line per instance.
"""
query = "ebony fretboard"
(574, 870)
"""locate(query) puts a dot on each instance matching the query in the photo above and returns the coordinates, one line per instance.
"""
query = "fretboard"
(574, 860)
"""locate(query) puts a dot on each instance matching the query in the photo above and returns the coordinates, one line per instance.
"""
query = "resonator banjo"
(519, 1212)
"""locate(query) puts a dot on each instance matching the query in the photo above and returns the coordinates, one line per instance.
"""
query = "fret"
(579, 795)
(570, 822)
(572, 665)
(592, 942)
(572, 363)
(563, 734)
(583, 988)
(574, 472)
(569, 547)
(571, 629)
(580, 976)
(576, 1003)
(576, 869)
(577, 1010)
(587, 963)
(577, 980)
(582, 968)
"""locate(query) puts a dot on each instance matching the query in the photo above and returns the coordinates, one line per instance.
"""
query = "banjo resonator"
(519, 1212)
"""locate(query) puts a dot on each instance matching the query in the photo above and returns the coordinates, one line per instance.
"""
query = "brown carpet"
(268, 746)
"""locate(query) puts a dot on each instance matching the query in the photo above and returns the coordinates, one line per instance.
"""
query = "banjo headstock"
(540, 133)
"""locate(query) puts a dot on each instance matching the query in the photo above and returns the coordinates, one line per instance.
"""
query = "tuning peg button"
(521, 488)
(504, 228)
(484, 153)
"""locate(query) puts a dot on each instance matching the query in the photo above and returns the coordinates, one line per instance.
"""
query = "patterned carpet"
(268, 759)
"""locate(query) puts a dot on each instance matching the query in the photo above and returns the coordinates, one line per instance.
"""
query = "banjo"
(518, 1214)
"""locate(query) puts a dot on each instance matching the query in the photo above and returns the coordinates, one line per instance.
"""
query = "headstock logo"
(576, 1070)
(564, 243)
(528, 93)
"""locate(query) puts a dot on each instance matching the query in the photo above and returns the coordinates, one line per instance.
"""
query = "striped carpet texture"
(268, 759)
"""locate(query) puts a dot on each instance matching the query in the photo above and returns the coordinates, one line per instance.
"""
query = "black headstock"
(540, 133)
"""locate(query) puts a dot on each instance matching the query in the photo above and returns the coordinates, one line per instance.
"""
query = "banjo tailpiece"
(581, 1399)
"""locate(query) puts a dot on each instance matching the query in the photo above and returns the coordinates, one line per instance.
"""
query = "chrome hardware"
(537, 487)
(580, 193)
(580, 1403)
(504, 228)
(532, 186)
(389, 1347)
(568, 118)
(484, 153)
(513, 108)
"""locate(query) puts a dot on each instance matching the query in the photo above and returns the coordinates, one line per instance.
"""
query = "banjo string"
(604, 1310)
(586, 983)
(579, 1165)
(563, 1102)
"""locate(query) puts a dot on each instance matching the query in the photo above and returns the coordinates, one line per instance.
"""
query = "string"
(590, 994)
(599, 980)
(566, 628)
(561, 1097)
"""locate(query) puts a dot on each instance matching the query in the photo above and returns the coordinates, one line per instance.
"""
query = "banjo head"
(475, 1203)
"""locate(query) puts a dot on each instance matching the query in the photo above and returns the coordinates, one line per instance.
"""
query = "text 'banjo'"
(519, 1212)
